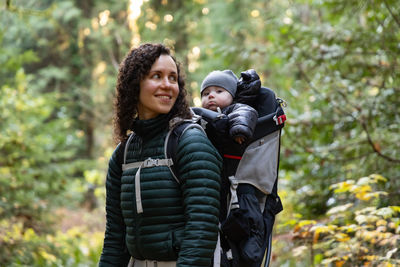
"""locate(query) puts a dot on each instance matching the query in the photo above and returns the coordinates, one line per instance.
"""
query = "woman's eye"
(155, 76)
(172, 78)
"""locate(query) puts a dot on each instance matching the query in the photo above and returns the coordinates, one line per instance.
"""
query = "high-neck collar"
(151, 127)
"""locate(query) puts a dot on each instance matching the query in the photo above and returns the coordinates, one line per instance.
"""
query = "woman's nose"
(165, 83)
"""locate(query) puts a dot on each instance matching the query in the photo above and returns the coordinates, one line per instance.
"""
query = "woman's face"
(159, 89)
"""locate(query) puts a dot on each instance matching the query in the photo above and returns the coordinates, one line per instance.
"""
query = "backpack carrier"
(257, 167)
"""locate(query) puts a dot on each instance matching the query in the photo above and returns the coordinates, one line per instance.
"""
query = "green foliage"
(24, 247)
(341, 89)
(40, 143)
(357, 231)
(37, 159)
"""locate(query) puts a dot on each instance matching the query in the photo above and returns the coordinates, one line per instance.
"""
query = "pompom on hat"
(225, 79)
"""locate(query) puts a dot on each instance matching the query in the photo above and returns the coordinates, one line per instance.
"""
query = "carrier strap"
(217, 251)
(138, 195)
(234, 203)
(148, 163)
(126, 147)
(172, 140)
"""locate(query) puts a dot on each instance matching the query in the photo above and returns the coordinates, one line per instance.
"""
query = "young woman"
(150, 217)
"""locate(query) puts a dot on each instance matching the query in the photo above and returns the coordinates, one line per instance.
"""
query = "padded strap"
(171, 143)
(126, 147)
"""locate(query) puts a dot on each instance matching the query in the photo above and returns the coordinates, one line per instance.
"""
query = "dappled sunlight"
(168, 18)
(197, 101)
(103, 17)
(134, 11)
(193, 57)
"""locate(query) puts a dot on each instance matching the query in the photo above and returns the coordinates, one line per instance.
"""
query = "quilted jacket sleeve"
(199, 167)
(242, 120)
(114, 250)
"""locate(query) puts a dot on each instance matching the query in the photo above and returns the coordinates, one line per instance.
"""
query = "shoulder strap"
(120, 153)
(171, 144)
(122, 149)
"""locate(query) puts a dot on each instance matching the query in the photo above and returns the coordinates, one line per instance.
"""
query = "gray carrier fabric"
(259, 164)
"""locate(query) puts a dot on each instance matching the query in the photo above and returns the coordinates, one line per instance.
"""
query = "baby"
(218, 90)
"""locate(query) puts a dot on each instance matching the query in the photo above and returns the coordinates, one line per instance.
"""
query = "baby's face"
(215, 96)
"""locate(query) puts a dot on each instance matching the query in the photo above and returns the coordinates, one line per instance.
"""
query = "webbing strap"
(234, 202)
(139, 207)
(217, 251)
(148, 163)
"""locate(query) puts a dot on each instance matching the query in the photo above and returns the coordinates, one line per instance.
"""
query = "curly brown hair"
(135, 66)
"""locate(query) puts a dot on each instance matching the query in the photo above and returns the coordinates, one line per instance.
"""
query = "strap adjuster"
(150, 163)
(280, 119)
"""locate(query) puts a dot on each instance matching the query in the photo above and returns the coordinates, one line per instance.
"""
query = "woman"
(150, 217)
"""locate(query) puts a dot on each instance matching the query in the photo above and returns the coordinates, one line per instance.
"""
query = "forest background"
(336, 63)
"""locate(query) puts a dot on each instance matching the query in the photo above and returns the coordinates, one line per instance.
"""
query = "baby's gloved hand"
(248, 87)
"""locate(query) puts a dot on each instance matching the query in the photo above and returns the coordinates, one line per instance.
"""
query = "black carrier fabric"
(267, 107)
(256, 250)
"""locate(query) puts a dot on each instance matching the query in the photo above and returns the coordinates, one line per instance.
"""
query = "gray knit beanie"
(225, 79)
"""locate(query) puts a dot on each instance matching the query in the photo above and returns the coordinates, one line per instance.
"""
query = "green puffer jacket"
(179, 221)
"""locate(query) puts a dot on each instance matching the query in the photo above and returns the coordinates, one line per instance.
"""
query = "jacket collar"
(147, 129)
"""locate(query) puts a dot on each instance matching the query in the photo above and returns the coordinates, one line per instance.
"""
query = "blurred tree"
(345, 58)
(37, 156)
(175, 24)
(57, 73)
